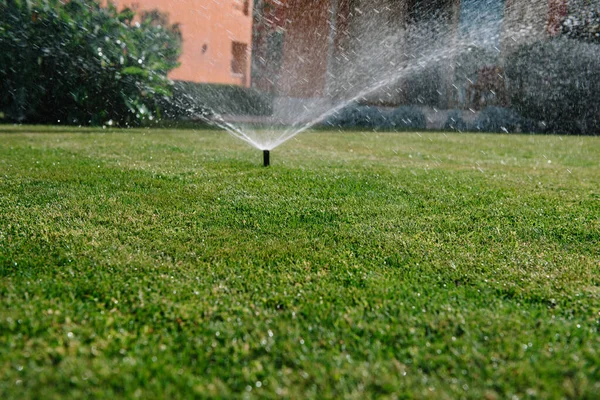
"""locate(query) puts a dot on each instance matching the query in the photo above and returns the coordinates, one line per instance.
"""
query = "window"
(243, 6)
(239, 59)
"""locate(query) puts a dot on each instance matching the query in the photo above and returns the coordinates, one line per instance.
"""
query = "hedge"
(557, 82)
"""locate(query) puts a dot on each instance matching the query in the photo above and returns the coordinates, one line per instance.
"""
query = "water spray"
(376, 71)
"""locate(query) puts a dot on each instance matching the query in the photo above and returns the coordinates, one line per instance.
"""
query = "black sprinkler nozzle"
(266, 158)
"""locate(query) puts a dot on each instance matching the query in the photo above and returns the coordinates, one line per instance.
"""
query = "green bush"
(425, 87)
(407, 118)
(80, 63)
(498, 119)
(193, 99)
(358, 116)
(370, 117)
(582, 21)
(455, 122)
(557, 82)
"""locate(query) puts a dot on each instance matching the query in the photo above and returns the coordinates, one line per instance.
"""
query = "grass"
(169, 264)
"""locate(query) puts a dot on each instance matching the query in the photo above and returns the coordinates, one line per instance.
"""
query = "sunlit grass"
(162, 264)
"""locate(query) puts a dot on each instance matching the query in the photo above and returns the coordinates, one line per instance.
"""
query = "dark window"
(242, 6)
(239, 59)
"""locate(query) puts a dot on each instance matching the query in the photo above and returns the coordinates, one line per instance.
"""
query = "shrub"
(370, 117)
(359, 116)
(455, 122)
(582, 21)
(558, 82)
(78, 62)
(222, 99)
(497, 120)
(407, 118)
(425, 87)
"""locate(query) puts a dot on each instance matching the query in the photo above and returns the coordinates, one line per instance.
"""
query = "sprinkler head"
(266, 158)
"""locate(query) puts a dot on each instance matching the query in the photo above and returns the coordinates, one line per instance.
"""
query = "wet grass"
(169, 264)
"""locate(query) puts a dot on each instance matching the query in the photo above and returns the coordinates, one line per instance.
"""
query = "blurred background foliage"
(558, 82)
(79, 63)
(583, 21)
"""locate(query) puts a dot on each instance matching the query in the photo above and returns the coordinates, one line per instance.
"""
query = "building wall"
(292, 45)
(321, 39)
(305, 49)
(267, 44)
(331, 42)
(214, 33)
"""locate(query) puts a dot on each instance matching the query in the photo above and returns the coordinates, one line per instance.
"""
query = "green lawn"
(170, 264)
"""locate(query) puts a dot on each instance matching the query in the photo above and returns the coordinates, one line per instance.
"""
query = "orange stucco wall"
(212, 25)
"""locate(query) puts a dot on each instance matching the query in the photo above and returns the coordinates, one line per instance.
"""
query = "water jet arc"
(266, 158)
